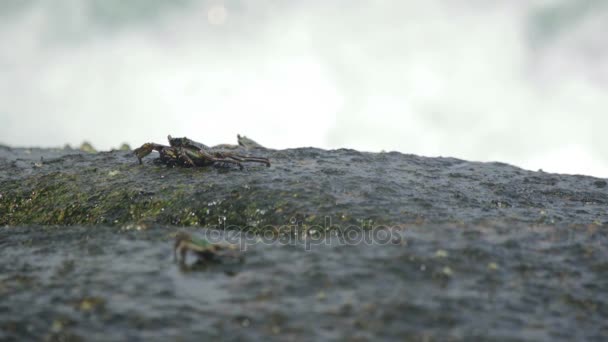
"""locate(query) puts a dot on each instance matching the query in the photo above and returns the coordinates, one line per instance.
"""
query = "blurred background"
(518, 81)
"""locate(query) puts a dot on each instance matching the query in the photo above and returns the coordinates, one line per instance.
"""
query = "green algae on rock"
(311, 188)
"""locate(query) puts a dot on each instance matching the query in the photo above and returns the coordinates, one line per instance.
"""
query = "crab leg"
(183, 155)
(242, 158)
(146, 149)
(248, 159)
(183, 243)
(182, 247)
(219, 158)
(216, 160)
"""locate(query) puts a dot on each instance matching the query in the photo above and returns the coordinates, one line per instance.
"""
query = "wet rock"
(310, 188)
(448, 282)
(456, 247)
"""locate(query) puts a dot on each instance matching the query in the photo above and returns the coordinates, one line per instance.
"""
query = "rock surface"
(310, 187)
(458, 250)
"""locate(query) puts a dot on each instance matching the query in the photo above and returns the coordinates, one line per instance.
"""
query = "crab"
(243, 143)
(189, 153)
(248, 143)
(203, 249)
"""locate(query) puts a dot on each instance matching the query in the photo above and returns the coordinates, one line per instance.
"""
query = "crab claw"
(143, 151)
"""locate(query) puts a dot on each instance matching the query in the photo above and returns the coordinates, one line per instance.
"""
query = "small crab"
(248, 143)
(203, 249)
(187, 153)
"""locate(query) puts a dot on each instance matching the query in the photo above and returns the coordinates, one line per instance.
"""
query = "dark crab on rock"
(189, 153)
(203, 249)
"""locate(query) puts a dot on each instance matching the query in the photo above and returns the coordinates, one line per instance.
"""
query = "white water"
(466, 79)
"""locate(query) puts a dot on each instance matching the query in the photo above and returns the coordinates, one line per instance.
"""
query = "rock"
(363, 189)
(124, 147)
(87, 147)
